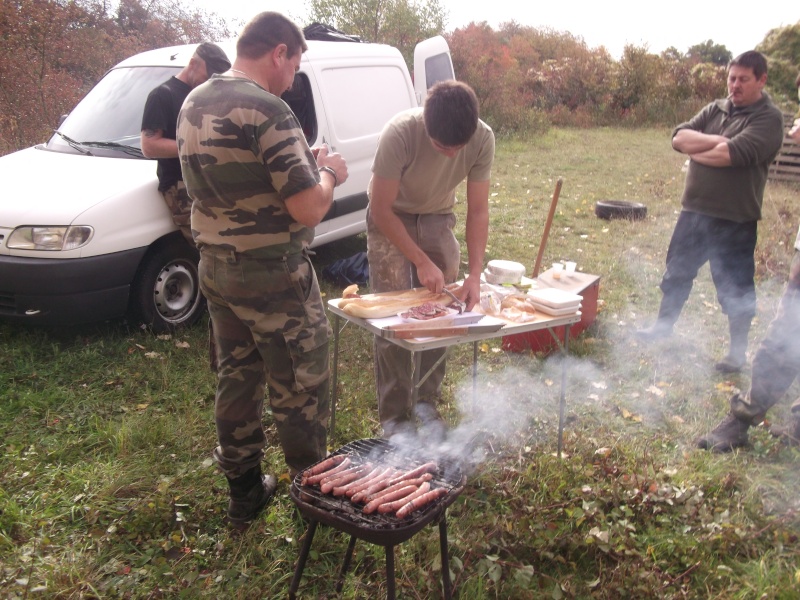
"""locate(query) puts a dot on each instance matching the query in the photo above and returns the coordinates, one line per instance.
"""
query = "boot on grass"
(660, 330)
(668, 313)
(737, 354)
(729, 434)
(249, 494)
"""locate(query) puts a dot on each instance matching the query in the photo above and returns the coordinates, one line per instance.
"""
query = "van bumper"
(46, 291)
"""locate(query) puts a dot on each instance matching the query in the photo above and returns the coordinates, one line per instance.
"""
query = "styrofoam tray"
(555, 298)
(556, 312)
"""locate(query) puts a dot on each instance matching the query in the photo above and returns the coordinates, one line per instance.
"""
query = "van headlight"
(46, 237)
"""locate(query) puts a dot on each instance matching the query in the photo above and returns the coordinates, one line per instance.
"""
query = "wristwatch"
(332, 172)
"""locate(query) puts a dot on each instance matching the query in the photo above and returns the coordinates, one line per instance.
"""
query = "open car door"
(432, 63)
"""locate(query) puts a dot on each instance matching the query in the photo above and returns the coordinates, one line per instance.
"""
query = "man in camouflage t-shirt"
(258, 191)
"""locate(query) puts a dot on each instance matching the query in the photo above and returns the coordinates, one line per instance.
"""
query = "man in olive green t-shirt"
(423, 155)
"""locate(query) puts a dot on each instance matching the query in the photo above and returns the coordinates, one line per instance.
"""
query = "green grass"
(107, 488)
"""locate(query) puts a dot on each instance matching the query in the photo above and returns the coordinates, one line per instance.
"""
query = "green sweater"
(736, 192)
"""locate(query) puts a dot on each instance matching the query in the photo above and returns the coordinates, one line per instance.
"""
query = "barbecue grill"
(382, 529)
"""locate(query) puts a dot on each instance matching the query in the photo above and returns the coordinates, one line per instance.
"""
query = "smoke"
(500, 411)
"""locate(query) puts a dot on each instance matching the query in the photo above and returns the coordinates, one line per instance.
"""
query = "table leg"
(563, 399)
(416, 380)
(335, 374)
(474, 373)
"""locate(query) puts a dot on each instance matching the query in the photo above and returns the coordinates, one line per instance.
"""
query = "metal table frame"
(416, 346)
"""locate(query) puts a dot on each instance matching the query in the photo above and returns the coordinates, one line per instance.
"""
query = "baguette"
(388, 304)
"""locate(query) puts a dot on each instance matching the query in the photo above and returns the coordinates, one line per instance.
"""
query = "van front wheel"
(166, 294)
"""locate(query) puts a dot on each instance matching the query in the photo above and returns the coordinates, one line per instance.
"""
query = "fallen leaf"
(600, 385)
(182, 345)
(655, 391)
(604, 452)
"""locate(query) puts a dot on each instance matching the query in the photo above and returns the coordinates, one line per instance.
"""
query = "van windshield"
(110, 115)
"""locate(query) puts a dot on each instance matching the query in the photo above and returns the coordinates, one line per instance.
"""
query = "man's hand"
(430, 276)
(471, 292)
(794, 132)
(334, 160)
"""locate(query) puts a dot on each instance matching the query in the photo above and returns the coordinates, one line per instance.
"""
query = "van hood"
(44, 187)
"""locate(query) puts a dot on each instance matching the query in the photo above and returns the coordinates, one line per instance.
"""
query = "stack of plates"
(555, 302)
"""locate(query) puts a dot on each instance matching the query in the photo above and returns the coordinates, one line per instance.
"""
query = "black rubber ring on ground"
(620, 209)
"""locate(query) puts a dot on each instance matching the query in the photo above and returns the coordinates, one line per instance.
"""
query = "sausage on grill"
(351, 489)
(321, 471)
(342, 477)
(393, 506)
(401, 492)
(420, 501)
(429, 467)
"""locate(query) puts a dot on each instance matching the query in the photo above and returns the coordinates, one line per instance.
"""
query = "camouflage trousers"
(390, 270)
(180, 205)
(270, 331)
(777, 361)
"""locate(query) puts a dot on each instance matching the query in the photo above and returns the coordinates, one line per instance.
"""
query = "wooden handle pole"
(546, 231)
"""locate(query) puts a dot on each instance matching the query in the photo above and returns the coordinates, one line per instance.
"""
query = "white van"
(85, 234)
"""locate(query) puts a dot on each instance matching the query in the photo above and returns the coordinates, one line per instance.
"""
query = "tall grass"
(107, 489)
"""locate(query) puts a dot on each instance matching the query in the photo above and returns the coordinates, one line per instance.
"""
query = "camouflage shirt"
(243, 153)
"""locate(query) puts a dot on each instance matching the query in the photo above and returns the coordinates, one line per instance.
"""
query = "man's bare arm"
(311, 205)
(477, 234)
(155, 145)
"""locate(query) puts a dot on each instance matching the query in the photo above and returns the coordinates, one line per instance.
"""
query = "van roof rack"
(326, 33)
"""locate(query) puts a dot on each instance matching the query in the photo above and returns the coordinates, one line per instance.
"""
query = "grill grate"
(383, 529)
(342, 513)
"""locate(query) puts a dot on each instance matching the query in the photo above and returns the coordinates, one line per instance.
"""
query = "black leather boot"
(729, 434)
(249, 493)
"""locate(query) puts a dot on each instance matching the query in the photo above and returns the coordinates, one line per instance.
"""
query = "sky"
(613, 24)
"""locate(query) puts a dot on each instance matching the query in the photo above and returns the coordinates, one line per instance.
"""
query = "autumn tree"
(53, 51)
(399, 23)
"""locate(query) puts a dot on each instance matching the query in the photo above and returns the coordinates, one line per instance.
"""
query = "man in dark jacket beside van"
(423, 155)
(158, 128)
(731, 143)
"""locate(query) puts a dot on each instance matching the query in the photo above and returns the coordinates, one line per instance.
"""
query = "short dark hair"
(265, 32)
(751, 60)
(451, 113)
